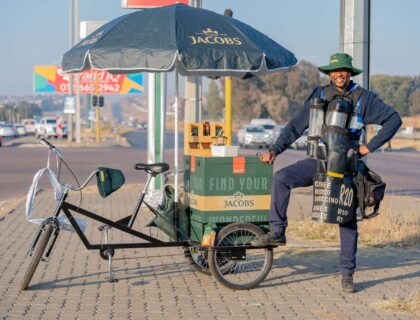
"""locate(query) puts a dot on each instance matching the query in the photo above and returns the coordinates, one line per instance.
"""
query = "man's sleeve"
(378, 112)
(295, 127)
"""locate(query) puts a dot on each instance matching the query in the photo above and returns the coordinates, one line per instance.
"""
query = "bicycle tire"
(37, 255)
(197, 260)
(242, 275)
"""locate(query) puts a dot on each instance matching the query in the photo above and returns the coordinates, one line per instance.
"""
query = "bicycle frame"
(125, 224)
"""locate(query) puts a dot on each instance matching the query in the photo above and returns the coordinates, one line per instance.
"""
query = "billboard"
(51, 79)
(138, 4)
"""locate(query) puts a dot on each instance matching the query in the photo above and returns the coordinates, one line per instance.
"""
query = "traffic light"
(101, 101)
(94, 101)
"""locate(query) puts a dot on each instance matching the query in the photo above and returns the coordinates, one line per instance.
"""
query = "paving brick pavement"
(304, 282)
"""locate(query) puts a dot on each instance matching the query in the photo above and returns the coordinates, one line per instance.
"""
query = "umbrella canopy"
(193, 40)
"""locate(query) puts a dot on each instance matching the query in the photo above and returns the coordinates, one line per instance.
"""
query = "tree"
(276, 95)
(214, 103)
(415, 103)
(396, 91)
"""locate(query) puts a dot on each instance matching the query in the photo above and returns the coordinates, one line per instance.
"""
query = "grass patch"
(411, 304)
(398, 225)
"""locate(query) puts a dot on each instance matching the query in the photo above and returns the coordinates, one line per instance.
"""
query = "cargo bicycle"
(227, 253)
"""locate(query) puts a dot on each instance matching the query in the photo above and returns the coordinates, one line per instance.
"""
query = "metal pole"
(193, 89)
(97, 115)
(163, 94)
(228, 99)
(70, 118)
(176, 132)
(355, 38)
(76, 40)
(355, 35)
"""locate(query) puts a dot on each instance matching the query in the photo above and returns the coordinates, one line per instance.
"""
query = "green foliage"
(277, 95)
(415, 102)
(15, 113)
(214, 103)
(398, 92)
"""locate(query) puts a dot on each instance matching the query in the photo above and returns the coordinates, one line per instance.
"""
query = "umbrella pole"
(176, 132)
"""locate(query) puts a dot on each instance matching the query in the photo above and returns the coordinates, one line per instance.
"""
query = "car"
(278, 129)
(30, 125)
(301, 142)
(7, 130)
(20, 130)
(47, 128)
(1, 141)
(254, 135)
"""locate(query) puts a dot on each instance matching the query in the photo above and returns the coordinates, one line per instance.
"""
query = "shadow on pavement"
(316, 264)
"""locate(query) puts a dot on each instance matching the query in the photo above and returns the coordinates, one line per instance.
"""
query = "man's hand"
(363, 150)
(268, 157)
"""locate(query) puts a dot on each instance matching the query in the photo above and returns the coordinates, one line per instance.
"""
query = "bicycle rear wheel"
(37, 255)
(247, 267)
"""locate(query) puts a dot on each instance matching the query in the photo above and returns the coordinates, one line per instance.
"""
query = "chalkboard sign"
(334, 199)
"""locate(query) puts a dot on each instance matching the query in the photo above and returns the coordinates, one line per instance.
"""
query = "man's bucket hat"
(339, 61)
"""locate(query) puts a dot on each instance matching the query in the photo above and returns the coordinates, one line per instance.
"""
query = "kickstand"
(111, 278)
(108, 252)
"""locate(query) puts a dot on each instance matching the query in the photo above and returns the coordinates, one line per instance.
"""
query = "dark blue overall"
(370, 110)
(298, 175)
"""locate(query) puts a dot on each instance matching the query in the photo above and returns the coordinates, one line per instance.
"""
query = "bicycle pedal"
(104, 227)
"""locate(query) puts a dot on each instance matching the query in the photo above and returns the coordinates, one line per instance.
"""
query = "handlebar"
(45, 142)
(60, 159)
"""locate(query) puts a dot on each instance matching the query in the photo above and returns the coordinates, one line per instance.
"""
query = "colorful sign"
(51, 79)
(138, 4)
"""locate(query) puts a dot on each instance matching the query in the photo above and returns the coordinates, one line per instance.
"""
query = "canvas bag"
(165, 220)
(370, 191)
(109, 180)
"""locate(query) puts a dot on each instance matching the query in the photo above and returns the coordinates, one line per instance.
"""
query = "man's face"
(340, 78)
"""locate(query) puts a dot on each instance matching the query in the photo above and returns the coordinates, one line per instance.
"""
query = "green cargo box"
(222, 190)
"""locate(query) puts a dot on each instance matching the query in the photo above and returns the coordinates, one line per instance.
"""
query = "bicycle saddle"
(152, 168)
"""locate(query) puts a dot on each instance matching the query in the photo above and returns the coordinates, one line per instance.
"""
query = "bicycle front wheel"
(247, 267)
(37, 255)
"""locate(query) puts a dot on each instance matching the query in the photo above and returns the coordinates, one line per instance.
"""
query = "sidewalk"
(304, 282)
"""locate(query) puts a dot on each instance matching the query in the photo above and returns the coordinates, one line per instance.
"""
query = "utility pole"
(355, 39)
(355, 35)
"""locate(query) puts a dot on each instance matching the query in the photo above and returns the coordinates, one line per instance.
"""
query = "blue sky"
(36, 32)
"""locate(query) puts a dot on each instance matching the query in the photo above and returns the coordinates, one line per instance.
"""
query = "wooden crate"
(196, 142)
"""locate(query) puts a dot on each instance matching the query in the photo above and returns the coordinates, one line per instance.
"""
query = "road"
(400, 170)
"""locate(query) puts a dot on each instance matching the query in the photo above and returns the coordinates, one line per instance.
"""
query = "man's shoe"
(347, 283)
(271, 239)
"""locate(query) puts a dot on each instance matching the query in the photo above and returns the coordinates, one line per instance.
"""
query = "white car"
(7, 130)
(47, 128)
(30, 125)
(254, 136)
(20, 130)
(301, 142)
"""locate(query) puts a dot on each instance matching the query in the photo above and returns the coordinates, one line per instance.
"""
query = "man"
(370, 110)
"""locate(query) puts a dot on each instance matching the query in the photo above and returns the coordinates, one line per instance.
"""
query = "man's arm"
(295, 127)
(378, 112)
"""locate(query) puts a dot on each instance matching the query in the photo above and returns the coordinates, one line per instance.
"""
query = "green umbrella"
(191, 41)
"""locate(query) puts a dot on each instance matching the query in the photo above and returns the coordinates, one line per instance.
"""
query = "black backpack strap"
(329, 92)
(356, 94)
